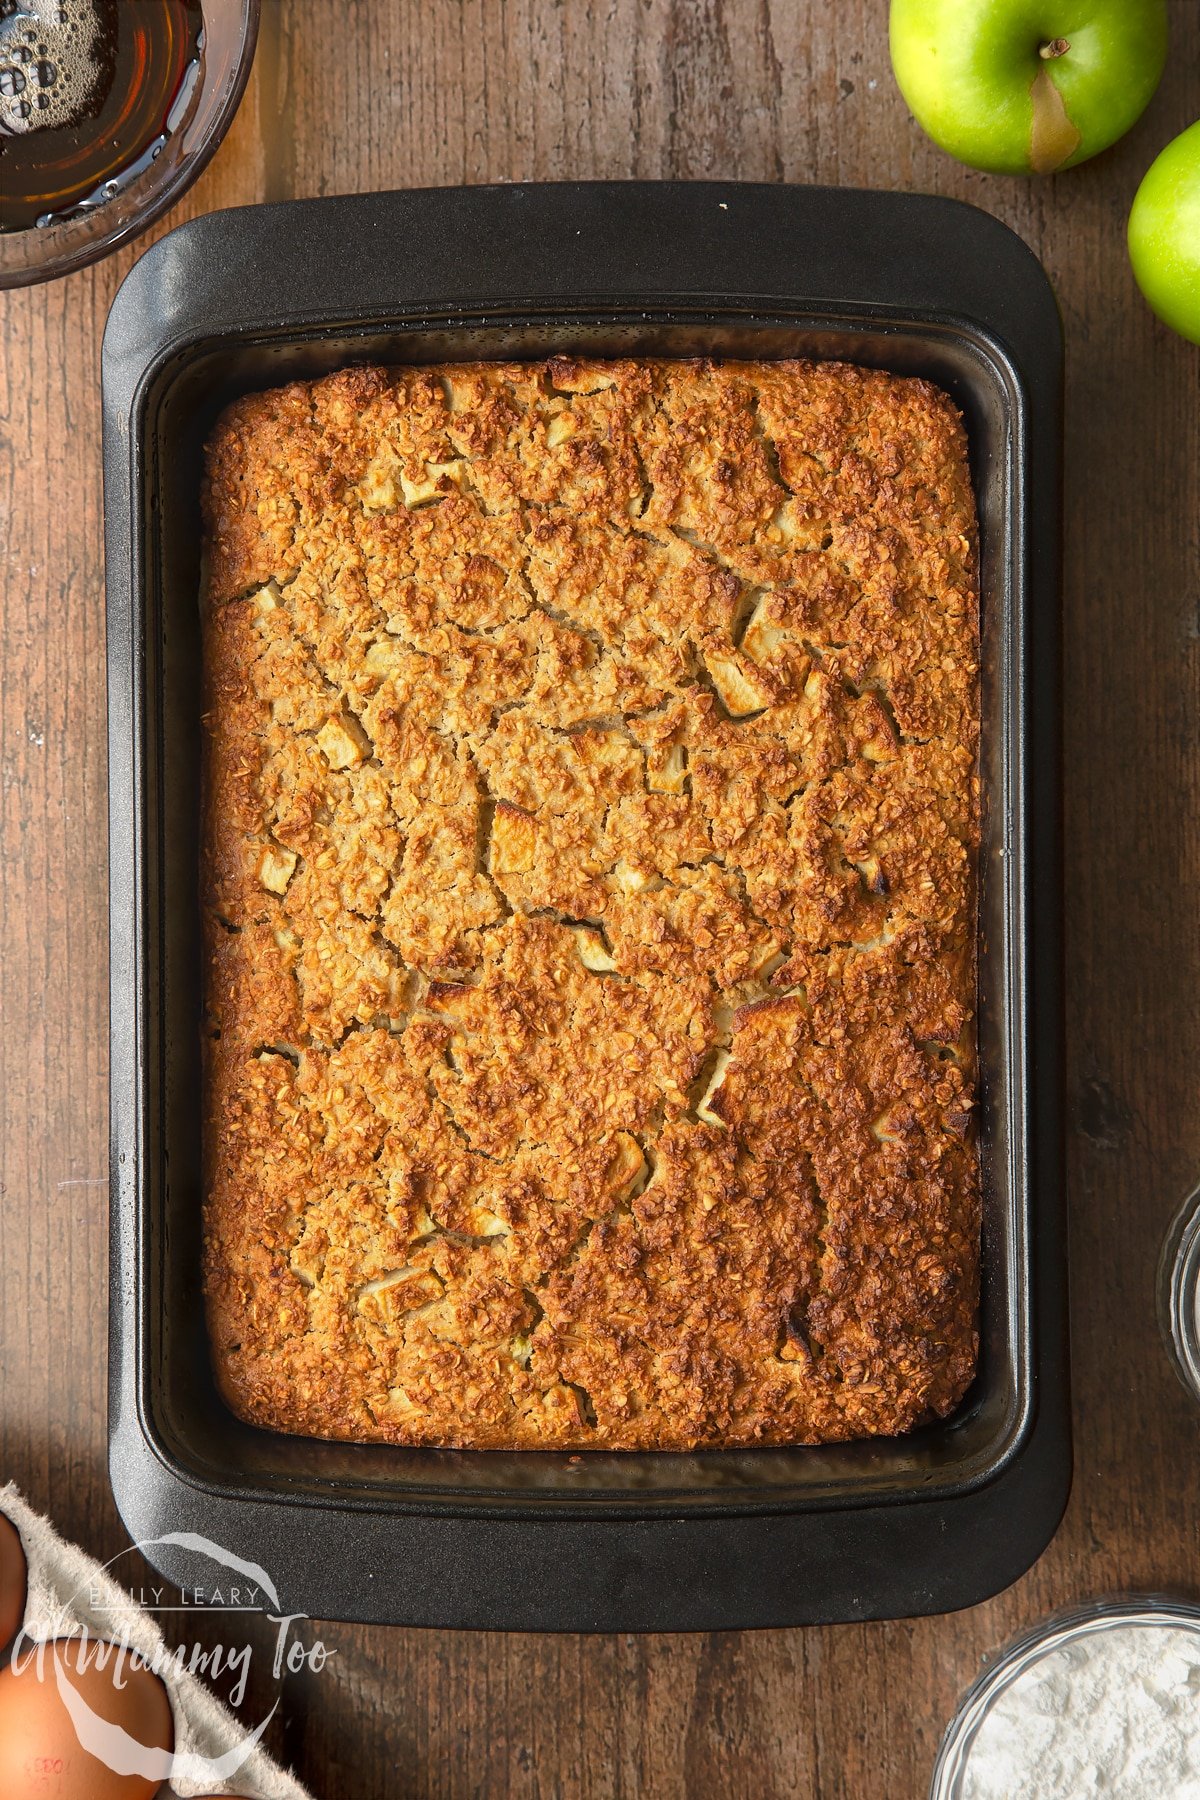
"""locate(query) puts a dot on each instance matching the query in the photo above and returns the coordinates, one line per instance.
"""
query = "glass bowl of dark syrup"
(109, 109)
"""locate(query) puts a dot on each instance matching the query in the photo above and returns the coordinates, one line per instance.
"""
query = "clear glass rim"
(1065, 1626)
(1177, 1292)
(73, 243)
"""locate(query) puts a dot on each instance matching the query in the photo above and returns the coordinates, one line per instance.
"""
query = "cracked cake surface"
(590, 829)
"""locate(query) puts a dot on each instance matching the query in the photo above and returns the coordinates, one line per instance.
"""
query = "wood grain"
(401, 94)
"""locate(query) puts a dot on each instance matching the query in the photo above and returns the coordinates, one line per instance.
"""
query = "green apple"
(1025, 87)
(1164, 234)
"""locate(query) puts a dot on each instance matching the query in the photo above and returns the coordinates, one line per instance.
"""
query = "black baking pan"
(616, 1542)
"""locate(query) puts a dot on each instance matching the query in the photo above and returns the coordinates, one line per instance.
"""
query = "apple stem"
(1056, 47)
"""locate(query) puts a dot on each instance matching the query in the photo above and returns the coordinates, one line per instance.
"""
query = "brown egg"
(40, 1754)
(13, 1578)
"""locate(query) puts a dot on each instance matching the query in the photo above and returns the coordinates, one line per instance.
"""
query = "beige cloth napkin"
(67, 1587)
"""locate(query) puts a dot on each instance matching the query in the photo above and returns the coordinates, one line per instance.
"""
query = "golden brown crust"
(591, 819)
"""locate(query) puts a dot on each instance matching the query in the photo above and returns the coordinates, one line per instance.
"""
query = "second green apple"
(1022, 87)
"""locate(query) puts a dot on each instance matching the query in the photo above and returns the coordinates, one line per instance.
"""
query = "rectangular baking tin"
(248, 299)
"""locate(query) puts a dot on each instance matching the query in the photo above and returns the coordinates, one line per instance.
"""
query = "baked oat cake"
(591, 815)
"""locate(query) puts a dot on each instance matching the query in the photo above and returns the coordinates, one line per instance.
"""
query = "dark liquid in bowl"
(89, 92)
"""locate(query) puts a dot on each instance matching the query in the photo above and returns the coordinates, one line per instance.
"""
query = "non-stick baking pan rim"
(848, 1491)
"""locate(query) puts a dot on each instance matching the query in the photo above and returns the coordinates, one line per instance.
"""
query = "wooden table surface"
(400, 93)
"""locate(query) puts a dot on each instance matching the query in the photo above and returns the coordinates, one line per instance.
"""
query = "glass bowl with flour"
(1103, 1699)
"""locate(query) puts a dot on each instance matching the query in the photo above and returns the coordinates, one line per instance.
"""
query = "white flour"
(1116, 1713)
